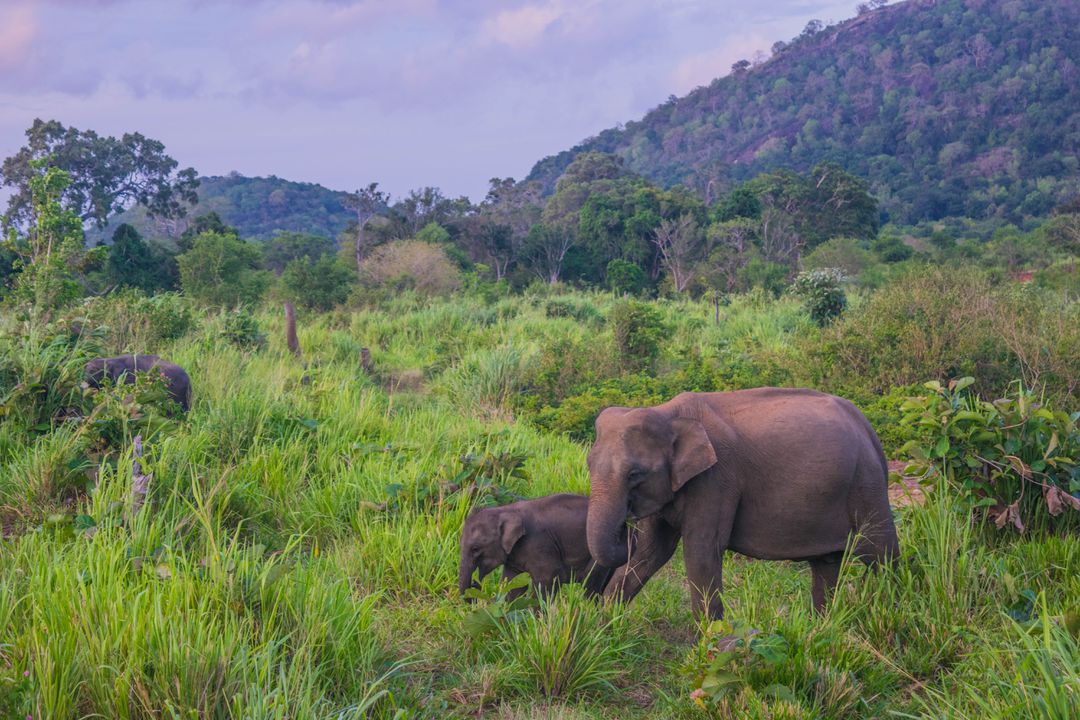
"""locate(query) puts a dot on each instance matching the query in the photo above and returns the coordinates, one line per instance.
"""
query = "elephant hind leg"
(824, 572)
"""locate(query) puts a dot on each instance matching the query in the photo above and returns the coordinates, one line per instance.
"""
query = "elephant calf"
(122, 369)
(544, 537)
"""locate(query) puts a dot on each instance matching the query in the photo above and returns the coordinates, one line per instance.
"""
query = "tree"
(625, 278)
(285, 247)
(222, 270)
(366, 204)
(412, 264)
(50, 251)
(317, 284)
(134, 263)
(106, 174)
(678, 242)
(210, 222)
(545, 250)
(730, 242)
(507, 214)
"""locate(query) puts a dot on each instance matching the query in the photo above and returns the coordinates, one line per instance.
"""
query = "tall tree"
(679, 244)
(106, 174)
(545, 250)
(134, 263)
(366, 203)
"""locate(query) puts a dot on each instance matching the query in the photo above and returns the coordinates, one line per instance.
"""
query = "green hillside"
(948, 107)
(256, 206)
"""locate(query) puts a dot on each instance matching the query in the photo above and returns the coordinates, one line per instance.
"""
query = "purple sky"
(346, 92)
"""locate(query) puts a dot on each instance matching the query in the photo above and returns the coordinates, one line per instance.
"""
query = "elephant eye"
(635, 477)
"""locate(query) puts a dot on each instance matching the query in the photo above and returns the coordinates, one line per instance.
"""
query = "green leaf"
(961, 383)
(770, 648)
(942, 446)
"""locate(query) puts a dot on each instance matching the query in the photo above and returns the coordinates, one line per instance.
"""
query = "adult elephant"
(122, 369)
(771, 473)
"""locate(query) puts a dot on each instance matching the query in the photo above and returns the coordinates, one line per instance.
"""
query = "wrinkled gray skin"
(544, 537)
(771, 473)
(123, 368)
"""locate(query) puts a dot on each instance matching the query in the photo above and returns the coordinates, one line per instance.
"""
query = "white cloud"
(522, 27)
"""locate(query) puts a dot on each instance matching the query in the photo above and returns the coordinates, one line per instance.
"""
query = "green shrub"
(241, 328)
(637, 328)
(317, 284)
(581, 310)
(626, 278)
(930, 322)
(1012, 461)
(845, 254)
(822, 294)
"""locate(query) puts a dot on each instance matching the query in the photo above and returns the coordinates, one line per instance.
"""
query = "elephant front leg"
(654, 544)
(704, 569)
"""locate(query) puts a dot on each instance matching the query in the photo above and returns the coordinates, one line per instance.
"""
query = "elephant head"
(487, 539)
(95, 371)
(641, 458)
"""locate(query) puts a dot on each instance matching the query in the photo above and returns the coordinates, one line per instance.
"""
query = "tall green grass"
(296, 557)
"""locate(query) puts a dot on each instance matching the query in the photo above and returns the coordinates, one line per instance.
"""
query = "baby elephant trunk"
(465, 580)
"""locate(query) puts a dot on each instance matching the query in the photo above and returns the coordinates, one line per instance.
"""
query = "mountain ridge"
(930, 100)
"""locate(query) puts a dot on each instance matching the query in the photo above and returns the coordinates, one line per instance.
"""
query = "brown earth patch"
(907, 491)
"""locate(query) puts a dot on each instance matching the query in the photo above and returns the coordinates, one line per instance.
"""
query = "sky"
(405, 93)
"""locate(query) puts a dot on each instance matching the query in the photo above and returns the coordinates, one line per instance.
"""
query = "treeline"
(604, 226)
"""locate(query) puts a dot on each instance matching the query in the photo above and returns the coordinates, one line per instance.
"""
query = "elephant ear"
(511, 528)
(693, 452)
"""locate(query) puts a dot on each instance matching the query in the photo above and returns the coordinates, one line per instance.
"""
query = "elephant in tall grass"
(122, 369)
(770, 473)
(544, 537)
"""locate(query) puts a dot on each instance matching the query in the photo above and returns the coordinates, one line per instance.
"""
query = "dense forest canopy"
(947, 107)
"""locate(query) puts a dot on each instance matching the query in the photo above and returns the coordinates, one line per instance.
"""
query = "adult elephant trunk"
(604, 528)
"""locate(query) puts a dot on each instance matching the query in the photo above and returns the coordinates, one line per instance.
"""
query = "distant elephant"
(122, 369)
(544, 537)
(771, 473)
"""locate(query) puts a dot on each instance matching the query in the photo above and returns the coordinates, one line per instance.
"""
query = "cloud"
(18, 28)
(704, 67)
(522, 27)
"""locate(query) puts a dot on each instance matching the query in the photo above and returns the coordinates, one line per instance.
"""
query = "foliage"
(51, 251)
(286, 247)
(733, 652)
(320, 284)
(843, 253)
(241, 328)
(625, 278)
(637, 328)
(414, 265)
(1012, 461)
(106, 174)
(222, 270)
(822, 293)
(884, 95)
(134, 263)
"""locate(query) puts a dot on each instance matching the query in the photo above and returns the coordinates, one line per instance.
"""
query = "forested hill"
(256, 206)
(947, 107)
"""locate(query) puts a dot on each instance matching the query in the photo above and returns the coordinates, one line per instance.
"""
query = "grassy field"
(297, 554)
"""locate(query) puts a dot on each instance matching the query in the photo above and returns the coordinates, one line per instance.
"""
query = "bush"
(1012, 461)
(222, 270)
(319, 284)
(626, 278)
(638, 329)
(136, 322)
(241, 328)
(845, 254)
(930, 321)
(822, 294)
(411, 264)
(581, 310)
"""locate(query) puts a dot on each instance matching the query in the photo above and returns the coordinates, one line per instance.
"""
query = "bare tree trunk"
(290, 330)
